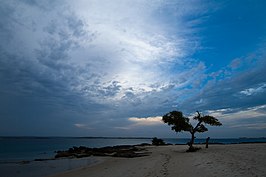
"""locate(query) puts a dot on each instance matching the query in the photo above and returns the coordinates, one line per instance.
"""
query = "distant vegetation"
(180, 123)
(157, 142)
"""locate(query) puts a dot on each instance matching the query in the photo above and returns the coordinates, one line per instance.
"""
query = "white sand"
(245, 160)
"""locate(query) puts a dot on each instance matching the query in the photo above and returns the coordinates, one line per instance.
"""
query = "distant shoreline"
(118, 137)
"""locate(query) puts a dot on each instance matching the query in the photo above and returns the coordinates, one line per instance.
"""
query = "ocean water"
(15, 149)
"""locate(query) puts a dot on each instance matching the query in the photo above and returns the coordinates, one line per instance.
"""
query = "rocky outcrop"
(127, 151)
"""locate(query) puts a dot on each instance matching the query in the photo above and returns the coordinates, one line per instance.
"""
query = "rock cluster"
(127, 151)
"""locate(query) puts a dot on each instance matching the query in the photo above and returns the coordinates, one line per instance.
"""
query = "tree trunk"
(191, 148)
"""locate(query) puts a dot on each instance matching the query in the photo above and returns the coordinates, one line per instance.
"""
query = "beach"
(246, 160)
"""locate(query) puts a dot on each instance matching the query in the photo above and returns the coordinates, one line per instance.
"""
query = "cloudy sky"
(114, 67)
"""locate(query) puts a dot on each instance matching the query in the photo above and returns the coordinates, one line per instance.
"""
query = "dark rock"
(25, 162)
(144, 144)
(115, 151)
(64, 154)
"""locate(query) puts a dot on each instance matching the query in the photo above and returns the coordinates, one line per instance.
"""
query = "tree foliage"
(178, 121)
(181, 123)
(157, 142)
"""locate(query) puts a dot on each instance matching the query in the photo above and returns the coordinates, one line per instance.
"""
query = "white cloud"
(123, 128)
(146, 121)
(83, 126)
(254, 90)
(255, 126)
(231, 115)
(138, 122)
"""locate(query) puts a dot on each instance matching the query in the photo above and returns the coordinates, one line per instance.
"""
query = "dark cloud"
(36, 94)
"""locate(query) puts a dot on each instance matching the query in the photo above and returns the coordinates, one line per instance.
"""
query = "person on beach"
(207, 142)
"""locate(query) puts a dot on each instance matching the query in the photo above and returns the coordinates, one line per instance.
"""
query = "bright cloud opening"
(148, 121)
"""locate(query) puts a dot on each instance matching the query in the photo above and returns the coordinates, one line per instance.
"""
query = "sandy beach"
(246, 160)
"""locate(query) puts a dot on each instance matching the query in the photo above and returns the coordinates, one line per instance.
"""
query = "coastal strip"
(170, 161)
(246, 160)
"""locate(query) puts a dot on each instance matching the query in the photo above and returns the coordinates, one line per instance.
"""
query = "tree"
(180, 123)
(157, 142)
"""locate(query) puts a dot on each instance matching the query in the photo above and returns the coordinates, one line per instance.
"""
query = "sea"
(17, 149)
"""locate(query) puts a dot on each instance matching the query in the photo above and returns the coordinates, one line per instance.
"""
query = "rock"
(61, 154)
(115, 151)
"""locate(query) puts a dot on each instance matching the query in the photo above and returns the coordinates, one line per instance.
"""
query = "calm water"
(28, 148)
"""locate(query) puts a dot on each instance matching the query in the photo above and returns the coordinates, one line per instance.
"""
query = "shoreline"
(52, 157)
(217, 156)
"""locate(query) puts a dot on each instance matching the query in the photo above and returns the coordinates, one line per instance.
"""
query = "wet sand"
(45, 168)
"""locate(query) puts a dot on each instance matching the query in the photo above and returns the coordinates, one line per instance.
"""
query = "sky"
(114, 68)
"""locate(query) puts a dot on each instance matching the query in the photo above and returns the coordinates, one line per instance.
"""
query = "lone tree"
(180, 123)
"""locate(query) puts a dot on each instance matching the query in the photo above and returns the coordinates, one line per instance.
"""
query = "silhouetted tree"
(180, 123)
